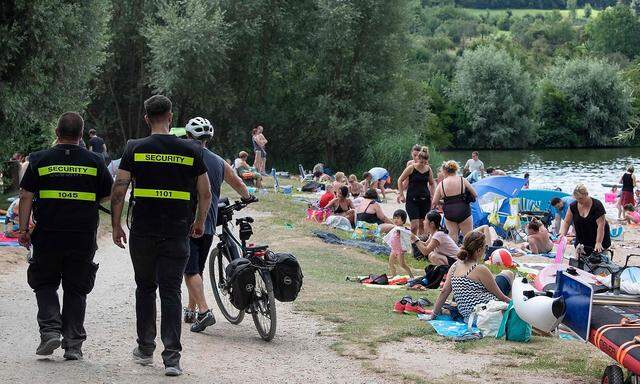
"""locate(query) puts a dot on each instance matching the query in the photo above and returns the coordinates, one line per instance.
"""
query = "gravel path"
(223, 354)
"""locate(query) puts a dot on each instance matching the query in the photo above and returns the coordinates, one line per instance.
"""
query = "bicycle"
(263, 305)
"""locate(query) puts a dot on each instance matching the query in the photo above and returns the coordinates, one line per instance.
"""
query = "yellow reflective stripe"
(163, 158)
(75, 169)
(68, 195)
(161, 194)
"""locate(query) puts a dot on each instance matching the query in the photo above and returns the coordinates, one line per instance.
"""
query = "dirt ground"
(224, 353)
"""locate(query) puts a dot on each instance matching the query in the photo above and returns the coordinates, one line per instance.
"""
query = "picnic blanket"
(8, 241)
(375, 248)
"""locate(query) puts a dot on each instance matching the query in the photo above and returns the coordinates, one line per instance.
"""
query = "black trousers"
(76, 271)
(159, 263)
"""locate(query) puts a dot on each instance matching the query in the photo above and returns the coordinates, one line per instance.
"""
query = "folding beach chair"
(303, 175)
(286, 189)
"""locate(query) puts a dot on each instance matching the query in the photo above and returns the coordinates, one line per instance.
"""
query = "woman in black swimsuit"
(371, 212)
(453, 190)
(419, 187)
(343, 206)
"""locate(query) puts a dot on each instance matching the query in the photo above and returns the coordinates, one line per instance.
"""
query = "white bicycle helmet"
(200, 128)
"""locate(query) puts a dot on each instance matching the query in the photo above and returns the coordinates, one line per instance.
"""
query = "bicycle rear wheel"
(218, 261)
(263, 307)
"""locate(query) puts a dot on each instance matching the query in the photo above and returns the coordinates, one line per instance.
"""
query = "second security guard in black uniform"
(169, 180)
(64, 185)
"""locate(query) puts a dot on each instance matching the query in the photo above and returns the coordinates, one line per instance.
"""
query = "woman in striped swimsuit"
(473, 283)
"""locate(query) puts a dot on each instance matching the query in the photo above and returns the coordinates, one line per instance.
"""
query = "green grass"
(523, 12)
(363, 317)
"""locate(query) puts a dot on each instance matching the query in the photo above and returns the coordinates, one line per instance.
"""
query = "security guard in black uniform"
(64, 185)
(168, 174)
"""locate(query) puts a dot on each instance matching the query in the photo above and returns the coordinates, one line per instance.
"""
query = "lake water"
(563, 168)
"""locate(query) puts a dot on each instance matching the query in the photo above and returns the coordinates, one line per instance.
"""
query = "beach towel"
(8, 241)
(375, 248)
(446, 327)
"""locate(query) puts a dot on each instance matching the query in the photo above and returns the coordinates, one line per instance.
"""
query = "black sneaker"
(73, 354)
(174, 370)
(48, 345)
(203, 321)
(189, 315)
(141, 358)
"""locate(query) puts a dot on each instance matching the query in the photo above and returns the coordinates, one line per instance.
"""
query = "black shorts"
(198, 253)
(418, 207)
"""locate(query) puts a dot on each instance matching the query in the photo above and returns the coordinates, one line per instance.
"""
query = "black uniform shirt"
(68, 183)
(164, 170)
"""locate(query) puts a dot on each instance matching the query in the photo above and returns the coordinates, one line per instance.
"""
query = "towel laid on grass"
(375, 248)
(448, 328)
(8, 241)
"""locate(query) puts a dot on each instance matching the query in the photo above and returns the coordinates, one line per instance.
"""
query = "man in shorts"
(197, 311)
(379, 179)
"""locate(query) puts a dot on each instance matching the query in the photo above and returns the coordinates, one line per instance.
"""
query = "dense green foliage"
(496, 97)
(531, 4)
(51, 50)
(352, 83)
(584, 102)
(616, 29)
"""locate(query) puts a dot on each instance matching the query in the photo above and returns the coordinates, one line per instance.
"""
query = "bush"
(495, 97)
(584, 102)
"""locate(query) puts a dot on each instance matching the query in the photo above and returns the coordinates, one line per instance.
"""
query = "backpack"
(513, 327)
(241, 282)
(286, 276)
(433, 275)
(311, 186)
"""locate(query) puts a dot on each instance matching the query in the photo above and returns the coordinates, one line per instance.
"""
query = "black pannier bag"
(286, 276)
(241, 281)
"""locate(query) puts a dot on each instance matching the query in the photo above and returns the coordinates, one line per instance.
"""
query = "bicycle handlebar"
(240, 204)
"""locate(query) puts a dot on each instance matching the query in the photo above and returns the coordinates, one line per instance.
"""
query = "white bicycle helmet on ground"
(200, 128)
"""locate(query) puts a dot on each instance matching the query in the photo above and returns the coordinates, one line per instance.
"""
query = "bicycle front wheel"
(218, 261)
(263, 307)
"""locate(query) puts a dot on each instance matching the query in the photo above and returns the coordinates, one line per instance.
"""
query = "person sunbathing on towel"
(342, 205)
(371, 212)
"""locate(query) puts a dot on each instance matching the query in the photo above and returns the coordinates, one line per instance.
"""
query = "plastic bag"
(339, 222)
(487, 317)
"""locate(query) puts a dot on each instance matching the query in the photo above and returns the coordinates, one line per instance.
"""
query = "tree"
(495, 97)
(588, 10)
(572, 5)
(116, 109)
(615, 29)
(188, 48)
(635, 6)
(51, 51)
(585, 102)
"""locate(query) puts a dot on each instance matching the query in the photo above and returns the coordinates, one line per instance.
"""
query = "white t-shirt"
(446, 245)
(474, 165)
(378, 173)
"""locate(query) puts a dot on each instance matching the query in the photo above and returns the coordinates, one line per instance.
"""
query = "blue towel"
(446, 327)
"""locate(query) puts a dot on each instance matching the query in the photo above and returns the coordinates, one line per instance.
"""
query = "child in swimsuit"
(630, 215)
(397, 251)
